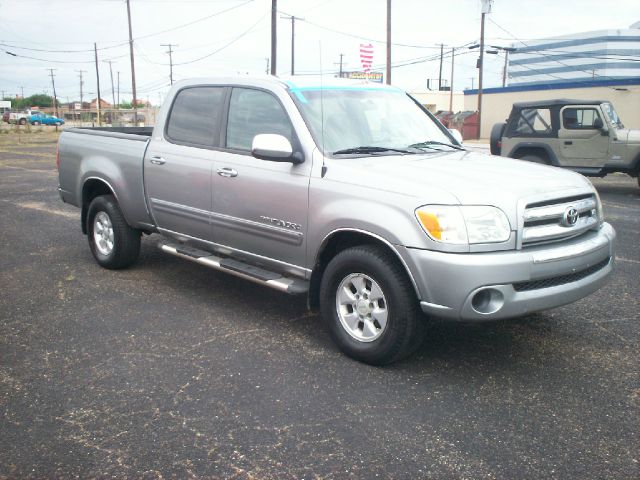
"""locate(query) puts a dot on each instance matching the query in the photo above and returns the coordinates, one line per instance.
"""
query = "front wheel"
(113, 243)
(57, 124)
(22, 121)
(36, 123)
(370, 306)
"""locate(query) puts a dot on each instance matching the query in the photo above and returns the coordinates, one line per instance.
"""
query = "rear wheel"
(113, 243)
(36, 123)
(57, 124)
(370, 307)
(495, 139)
(22, 121)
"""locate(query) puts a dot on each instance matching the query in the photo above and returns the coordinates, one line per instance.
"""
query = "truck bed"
(118, 132)
(112, 155)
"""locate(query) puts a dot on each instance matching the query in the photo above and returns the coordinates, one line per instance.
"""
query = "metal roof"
(555, 102)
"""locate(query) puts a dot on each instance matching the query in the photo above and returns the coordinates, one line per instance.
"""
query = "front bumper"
(495, 285)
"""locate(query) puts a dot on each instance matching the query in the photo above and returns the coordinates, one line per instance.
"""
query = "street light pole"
(480, 66)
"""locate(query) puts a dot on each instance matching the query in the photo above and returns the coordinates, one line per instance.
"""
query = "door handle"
(157, 160)
(227, 172)
(568, 142)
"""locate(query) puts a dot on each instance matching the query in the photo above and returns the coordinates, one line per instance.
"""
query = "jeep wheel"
(495, 138)
(22, 121)
(535, 159)
(369, 306)
(114, 244)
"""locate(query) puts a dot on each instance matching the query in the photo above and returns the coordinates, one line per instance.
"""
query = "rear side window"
(252, 112)
(579, 118)
(195, 116)
(532, 121)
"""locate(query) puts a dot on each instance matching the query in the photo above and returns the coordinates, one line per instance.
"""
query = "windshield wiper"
(432, 143)
(366, 149)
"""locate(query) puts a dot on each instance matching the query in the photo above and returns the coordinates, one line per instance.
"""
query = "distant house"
(103, 104)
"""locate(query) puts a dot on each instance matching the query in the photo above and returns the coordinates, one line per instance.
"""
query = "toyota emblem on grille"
(570, 217)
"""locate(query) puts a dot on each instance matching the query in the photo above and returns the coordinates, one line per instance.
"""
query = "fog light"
(487, 301)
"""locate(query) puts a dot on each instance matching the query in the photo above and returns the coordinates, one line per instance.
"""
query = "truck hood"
(628, 136)
(463, 177)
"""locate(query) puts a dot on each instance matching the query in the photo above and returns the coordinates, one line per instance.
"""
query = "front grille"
(560, 280)
(546, 222)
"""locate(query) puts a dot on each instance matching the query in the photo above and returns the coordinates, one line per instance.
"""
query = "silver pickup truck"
(348, 192)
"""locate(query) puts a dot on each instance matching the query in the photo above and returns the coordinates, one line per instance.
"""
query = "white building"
(602, 55)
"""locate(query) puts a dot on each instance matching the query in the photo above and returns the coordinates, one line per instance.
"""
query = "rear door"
(178, 164)
(581, 144)
(259, 207)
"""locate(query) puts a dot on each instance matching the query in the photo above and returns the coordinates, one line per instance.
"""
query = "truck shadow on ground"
(447, 344)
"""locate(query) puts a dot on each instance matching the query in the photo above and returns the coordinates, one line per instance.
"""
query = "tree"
(38, 100)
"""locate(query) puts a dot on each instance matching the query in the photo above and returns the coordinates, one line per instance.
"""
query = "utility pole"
(170, 52)
(53, 84)
(341, 55)
(486, 8)
(95, 49)
(453, 62)
(440, 74)
(274, 36)
(113, 91)
(506, 50)
(81, 85)
(22, 92)
(388, 42)
(133, 67)
(118, 102)
(293, 34)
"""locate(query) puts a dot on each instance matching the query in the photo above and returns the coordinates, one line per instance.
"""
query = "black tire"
(495, 139)
(125, 241)
(535, 159)
(57, 124)
(22, 121)
(405, 323)
(36, 123)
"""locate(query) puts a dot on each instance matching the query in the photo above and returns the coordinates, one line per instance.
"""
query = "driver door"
(581, 143)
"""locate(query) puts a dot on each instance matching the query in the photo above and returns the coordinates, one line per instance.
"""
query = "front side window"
(579, 118)
(195, 116)
(253, 112)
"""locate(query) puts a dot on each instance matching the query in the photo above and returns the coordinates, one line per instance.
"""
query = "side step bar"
(239, 269)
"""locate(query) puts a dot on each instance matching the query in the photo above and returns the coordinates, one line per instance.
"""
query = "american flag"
(366, 56)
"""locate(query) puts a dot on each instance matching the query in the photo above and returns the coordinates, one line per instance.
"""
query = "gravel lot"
(171, 370)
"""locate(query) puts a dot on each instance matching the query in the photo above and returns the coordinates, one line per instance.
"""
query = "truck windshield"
(612, 114)
(368, 121)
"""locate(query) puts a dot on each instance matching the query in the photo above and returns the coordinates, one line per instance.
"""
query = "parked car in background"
(6, 115)
(40, 118)
(581, 135)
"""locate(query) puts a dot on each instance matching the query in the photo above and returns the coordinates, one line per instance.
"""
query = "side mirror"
(597, 124)
(273, 147)
(455, 133)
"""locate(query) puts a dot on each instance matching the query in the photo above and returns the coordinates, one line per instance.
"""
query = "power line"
(246, 32)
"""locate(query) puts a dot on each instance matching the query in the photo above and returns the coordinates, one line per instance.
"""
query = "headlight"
(464, 224)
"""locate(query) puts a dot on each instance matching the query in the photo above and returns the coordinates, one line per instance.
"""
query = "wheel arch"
(92, 188)
(340, 240)
(534, 148)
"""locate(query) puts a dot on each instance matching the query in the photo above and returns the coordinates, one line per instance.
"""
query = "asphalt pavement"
(171, 370)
